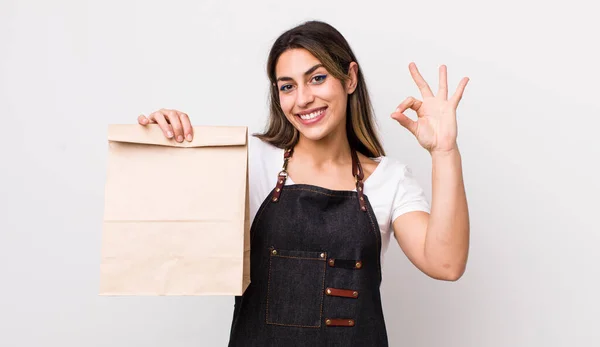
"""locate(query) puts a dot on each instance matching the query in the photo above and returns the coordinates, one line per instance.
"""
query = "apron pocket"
(296, 288)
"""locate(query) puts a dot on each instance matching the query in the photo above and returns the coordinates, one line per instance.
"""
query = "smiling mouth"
(312, 115)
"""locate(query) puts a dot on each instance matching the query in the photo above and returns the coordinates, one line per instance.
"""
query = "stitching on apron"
(297, 326)
(269, 285)
(264, 207)
(378, 236)
(322, 296)
(322, 193)
(303, 258)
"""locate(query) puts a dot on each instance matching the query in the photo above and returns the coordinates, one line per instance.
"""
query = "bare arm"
(438, 244)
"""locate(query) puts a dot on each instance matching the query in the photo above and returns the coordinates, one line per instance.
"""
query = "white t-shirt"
(391, 188)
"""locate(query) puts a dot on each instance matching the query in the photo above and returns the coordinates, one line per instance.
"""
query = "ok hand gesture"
(435, 127)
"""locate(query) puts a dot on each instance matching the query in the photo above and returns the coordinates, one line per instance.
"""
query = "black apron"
(315, 270)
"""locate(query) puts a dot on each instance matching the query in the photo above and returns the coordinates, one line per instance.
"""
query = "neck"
(334, 148)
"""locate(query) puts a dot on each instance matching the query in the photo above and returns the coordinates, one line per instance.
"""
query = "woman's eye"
(319, 78)
(284, 88)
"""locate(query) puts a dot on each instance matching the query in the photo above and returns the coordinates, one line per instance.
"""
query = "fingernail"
(179, 138)
(397, 110)
(169, 134)
(189, 137)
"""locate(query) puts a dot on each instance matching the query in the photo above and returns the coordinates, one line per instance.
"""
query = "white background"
(527, 131)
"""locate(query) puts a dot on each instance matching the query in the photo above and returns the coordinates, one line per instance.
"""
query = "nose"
(305, 96)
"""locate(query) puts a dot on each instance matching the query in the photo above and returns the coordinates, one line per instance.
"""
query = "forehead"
(294, 63)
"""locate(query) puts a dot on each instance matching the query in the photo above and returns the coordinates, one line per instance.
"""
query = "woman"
(318, 241)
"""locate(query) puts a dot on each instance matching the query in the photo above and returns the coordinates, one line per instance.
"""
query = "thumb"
(143, 120)
(406, 122)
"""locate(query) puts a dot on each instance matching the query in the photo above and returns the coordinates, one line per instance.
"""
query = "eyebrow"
(308, 72)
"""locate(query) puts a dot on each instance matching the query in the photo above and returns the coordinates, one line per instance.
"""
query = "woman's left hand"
(435, 127)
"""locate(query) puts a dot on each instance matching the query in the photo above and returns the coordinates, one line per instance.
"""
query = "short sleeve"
(256, 172)
(263, 164)
(409, 195)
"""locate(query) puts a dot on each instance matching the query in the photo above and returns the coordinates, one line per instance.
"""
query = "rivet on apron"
(328, 321)
(358, 264)
(328, 291)
(331, 262)
(323, 255)
(274, 252)
(351, 322)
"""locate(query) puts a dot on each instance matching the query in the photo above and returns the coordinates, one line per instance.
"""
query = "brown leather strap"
(357, 171)
(282, 176)
(345, 293)
(339, 322)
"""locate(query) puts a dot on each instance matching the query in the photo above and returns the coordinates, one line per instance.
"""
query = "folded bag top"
(204, 136)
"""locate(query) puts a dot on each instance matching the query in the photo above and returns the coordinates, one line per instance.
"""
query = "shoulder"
(395, 184)
(264, 162)
(396, 170)
(258, 147)
(388, 170)
(399, 175)
(409, 194)
(263, 157)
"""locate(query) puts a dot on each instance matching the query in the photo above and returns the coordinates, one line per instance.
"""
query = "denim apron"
(315, 270)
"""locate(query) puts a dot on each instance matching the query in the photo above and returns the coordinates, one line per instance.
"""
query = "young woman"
(325, 199)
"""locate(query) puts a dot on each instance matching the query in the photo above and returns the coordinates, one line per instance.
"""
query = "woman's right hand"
(174, 124)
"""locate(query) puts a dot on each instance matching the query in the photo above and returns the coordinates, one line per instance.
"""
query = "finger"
(176, 125)
(160, 118)
(410, 102)
(419, 80)
(188, 131)
(459, 91)
(143, 120)
(151, 119)
(406, 122)
(443, 88)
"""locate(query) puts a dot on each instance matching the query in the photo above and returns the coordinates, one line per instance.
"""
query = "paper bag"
(176, 215)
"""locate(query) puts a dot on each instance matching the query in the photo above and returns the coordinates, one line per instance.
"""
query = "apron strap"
(282, 176)
(357, 171)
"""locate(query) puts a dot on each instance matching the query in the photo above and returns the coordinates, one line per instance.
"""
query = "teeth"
(311, 115)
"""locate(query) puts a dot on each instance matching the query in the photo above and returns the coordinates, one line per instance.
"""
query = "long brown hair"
(329, 46)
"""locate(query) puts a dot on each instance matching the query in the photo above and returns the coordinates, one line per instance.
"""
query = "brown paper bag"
(176, 215)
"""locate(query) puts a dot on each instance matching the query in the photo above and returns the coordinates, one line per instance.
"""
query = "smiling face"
(310, 97)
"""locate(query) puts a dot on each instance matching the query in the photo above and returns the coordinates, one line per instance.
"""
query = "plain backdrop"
(528, 125)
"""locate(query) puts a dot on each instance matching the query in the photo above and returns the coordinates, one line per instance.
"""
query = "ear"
(352, 78)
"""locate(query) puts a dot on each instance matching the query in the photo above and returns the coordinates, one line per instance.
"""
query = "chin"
(313, 134)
